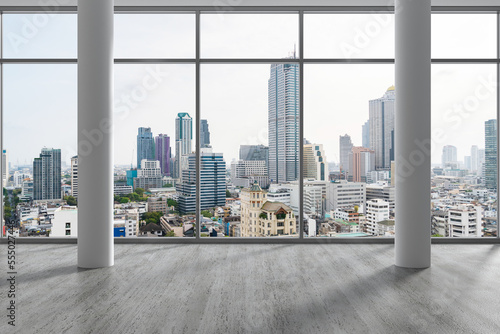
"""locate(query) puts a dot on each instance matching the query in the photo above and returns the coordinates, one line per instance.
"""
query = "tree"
(152, 217)
(206, 214)
(70, 200)
(437, 235)
(124, 200)
(168, 185)
(139, 191)
(228, 193)
(172, 202)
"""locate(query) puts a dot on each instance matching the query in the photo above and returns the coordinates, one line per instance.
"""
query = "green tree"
(206, 214)
(170, 234)
(437, 235)
(172, 202)
(124, 200)
(70, 200)
(168, 185)
(228, 193)
(152, 217)
(139, 191)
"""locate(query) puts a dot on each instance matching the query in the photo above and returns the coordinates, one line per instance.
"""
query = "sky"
(40, 100)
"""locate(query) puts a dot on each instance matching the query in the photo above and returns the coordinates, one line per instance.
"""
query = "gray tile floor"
(255, 289)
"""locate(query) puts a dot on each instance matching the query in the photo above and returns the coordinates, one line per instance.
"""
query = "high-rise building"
(345, 194)
(74, 176)
(365, 131)
(283, 122)
(449, 156)
(163, 153)
(204, 134)
(490, 154)
(254, 152)
(47, 175)
(213, 182)
(245, 172)
(382, 128)
(183, 142)
(468, 162)
(345, 147)
(361, 163)
(5, 168)
(474, 158)
(149, 175)
(315, 162)
(145, 145)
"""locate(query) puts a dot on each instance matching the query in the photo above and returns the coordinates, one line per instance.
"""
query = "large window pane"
(348, 150)
(252, 113)
(40, 35)
(464, 35)
(464, 150)
(248, 35)
(39, 143)
(349, 35)
(154, 150)
(154, 35)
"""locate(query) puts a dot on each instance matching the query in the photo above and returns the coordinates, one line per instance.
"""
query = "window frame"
(301, 61)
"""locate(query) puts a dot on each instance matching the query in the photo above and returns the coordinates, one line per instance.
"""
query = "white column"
(413, 133)
(95, 136)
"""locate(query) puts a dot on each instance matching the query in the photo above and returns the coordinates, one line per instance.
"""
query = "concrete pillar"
(95, 135)
(413, 133)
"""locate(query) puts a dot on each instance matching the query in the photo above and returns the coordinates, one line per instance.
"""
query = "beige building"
(261, 218)
(158, 204)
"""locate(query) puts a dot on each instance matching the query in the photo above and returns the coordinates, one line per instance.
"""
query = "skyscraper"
(183, 141)
(204, 134)
(74, 176)
(382, 128)
(361, 162)
(345, 147)
(474, 158)
(283, 122)
(490, 154)
(47, 175)
(5, 168)
(213, 182)
(315, 162)
(163, 153)
(366, 134)
(145, 145)
(449, 155)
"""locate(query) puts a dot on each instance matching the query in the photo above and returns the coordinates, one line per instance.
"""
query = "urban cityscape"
(258, 194)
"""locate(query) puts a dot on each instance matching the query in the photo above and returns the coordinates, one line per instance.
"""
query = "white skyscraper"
(74, 176)
(449, 155)
(183, 142)
(382, 128)
(474, 158)
(5, 168)
(283, 122)
(315, 162)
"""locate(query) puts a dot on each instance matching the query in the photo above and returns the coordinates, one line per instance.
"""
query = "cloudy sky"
(40, 100)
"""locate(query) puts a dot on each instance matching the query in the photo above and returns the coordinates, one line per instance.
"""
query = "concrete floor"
(255, 289)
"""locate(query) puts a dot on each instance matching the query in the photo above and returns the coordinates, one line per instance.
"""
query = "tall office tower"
(47, 175)
(145, 145)
(183, 142)
(345, 147)
(474, 158)
(490, 154)
(449, 155)
(204, 134)
(315, 162)
(163, 153)
(361, 162)
(5, 168)
(213, 182)
(382, 128)
(245, 172)
(74, 176)
(468, 162)
(365, 131)
(283, 122)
